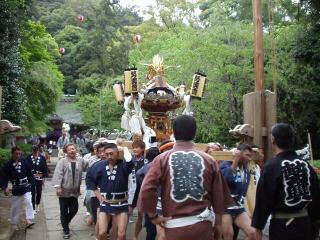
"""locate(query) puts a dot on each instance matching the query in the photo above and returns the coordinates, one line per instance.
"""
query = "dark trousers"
(94, 202)
(150, 228)
(298, 229)
(68, 209)
(36, 190)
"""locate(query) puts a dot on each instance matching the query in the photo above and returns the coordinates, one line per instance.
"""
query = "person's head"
(111, 153)
(89, 146)
(184, 128)
(100, 150)
(282, 137)
(259, 151)
(35, 150)
(246, 153)
(212, 147)
(16, 153)
(138, 147)
(152, 153)
(71, 150)
(136, 136)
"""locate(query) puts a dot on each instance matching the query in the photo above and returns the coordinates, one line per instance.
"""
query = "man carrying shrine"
(190, 185)
(111, 177)
(237, 176)
(288, 190)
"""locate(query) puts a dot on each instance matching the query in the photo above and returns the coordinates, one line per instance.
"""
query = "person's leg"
(96, 227)
(160, 233)
(243, 221)
(73, 208)
(227, 230)
(112, 226)
(63, 202)
(150, 228)
(94, 202)
(235, 231)
(33, 193)
(299, 228)
(15, 209)
(103, 219)
(28, 207)
(138, 226)
(122, 221)
(39, 193)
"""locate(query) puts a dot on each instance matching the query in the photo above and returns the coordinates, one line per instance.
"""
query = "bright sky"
(141, 4)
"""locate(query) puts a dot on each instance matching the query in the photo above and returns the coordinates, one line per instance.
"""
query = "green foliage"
(223, 52)
(299, 80)
(11, 65)
(26, 148)
(43, 81)
(90, 108)
(5, 155)
(98, 45)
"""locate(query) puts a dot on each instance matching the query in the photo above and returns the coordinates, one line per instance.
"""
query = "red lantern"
(62, 50)
(80, 18)
(137, 38)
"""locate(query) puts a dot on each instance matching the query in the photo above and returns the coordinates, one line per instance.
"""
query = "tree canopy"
(213, 36)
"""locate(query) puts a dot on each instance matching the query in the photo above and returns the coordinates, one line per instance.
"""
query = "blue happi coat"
(38, 165)
(238, 182)
(19, 174)
(109, 182)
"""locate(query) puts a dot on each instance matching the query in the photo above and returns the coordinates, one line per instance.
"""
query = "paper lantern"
(62, 50)
(137, 38)
(80, 18)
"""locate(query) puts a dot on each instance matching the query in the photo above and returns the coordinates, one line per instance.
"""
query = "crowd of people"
(177, 191)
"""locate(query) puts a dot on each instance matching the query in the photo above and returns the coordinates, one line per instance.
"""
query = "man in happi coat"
(39, 168)
(288, 190)
(111, 177)
(18, 172)
(190, 185)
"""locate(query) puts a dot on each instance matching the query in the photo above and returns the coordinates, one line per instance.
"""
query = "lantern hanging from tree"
(80, 18)
(62, 50)
(137, 38)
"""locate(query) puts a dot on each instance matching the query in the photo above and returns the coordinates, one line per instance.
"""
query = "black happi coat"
(39, 165)
(287, 184)
(114, 181)
(20, 174)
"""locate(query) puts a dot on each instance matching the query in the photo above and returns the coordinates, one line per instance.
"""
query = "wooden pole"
(258, 45)
(259, 105)
(0, 102)
(310, 149)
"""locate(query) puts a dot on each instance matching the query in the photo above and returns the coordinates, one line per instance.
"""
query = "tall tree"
(42, 81)
(12, 14)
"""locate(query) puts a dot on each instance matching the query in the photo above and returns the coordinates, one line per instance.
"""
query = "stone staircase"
(51, 166)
